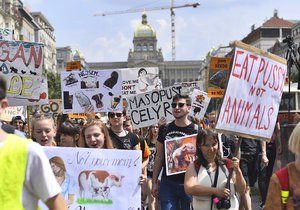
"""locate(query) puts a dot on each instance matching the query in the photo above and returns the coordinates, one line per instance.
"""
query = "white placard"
(251, 102)
(140, 80)
(6, 34)
(200, 102)
(147, 108)
(98, 178)
(101, 90)
(9, 112)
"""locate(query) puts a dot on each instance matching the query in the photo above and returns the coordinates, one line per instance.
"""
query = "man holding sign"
(171, 192)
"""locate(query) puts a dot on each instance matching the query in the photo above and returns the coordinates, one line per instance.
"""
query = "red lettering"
(245, 67)
(37, 58)
(260, 69)
(19, 54)
(227, 109)
(254, 58)
(235, 64)
(4, 51)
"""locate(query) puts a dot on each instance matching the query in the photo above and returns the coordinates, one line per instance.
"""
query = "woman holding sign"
(206, 177)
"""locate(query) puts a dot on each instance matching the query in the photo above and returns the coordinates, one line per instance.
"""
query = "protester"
(253, 154)
(206, 178)
(43, 129)
(94, 134)
(121, 138)
(68, 134)
(171, 192)
(19, 122)
(151, 139)
(291, 177)
(25, 173)
(62, 177)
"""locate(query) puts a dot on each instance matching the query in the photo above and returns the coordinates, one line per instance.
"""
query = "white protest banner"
(146, 109)
(140, 80)
(39, 91)
(99, 90)
(6, 34)
(9, 112)
(200, 102)
(188, 87)
(94, 179)
(251, 102)
(179, 152)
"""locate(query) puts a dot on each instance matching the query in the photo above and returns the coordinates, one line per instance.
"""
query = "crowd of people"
(221, 176)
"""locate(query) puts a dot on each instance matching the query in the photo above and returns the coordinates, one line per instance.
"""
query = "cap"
(19, 117)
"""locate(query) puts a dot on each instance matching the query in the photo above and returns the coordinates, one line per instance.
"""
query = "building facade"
(146, 54)
(63, 55)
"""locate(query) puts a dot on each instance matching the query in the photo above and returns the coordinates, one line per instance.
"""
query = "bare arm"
(158, 163)
(237, 176)
(192, 187)
(57, 202)
(264, 159)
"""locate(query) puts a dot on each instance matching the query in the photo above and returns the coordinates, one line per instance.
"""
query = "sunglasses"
(180, 105)
(111, 115)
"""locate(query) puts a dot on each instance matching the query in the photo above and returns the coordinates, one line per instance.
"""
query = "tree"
(54, 87)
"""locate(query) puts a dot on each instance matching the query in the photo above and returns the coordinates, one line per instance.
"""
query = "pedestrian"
(94, 134)
(25, 173)
(43, 129)
(171, 191)
(206, 178)
(278, 197)
(67, 134)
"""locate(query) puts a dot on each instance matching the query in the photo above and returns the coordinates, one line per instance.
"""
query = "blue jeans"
(172, 196)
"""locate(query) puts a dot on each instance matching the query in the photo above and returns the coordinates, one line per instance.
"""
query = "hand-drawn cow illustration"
(93, 184)
(179, 155)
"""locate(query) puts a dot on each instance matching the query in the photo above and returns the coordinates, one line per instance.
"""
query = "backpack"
(283, 176)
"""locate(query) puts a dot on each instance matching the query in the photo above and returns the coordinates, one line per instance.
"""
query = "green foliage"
(54, 87)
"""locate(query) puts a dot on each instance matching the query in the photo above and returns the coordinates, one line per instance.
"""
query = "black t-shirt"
(150, 165)
(250, 146)
(125, 142)
(171, 131)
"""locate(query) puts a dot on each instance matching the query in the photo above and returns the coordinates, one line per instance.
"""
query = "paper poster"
(188, 87)
(146, 109)
(6, 34)
(179, 153)
(95, 179)
(9, 112)
(200, 102)
(140, 80)
(95, 91)
(251, 102)
(53, 108)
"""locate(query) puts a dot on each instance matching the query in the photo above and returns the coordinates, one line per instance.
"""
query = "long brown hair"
(96, 122)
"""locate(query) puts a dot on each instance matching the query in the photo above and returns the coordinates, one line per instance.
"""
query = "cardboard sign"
(98, 178)
(9, 112)
(147, 108)
(218, 76)
(140, 80)
(200, 102)
(179, 153)
(73, 65)
(53, 108)
(251, 102)
(91, 91)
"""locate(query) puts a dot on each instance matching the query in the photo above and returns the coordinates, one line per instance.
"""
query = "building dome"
(144, 29)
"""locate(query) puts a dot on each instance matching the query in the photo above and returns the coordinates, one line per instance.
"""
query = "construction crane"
(172, 7)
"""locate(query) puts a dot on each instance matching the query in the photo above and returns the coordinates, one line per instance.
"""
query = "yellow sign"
(215, 93)
(219, 63)
(74, 65)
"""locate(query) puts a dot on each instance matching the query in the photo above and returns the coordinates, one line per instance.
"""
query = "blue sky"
(214, 23)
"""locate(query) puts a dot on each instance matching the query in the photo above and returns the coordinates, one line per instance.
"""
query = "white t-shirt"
(39, 182)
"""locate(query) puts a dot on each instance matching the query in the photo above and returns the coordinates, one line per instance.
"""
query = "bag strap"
(283, 176)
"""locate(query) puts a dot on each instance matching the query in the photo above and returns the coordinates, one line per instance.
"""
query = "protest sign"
(95, 91)
(218, 76)
(179, 152)
(188, 87)
(146, 109)
(200, 102)
(139, 80)
(40, 91)
(53, 108)
(253, 94)
(9, 112)
(6, 34)
(97, 178)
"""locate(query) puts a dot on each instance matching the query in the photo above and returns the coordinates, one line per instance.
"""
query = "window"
(270, 32)
(138, 47)
(151, 47)
(144, 47)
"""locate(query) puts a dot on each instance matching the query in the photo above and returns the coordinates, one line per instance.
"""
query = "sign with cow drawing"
(90, 90)
(140, 80)
(179, 152)
(200, 101)
(97, 178)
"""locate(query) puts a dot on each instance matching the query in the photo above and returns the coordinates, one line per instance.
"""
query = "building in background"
(146, 54)
(63, 55)
(44, 34)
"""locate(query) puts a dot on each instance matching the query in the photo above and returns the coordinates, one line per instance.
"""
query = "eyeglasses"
(111, 115)
(180, 105)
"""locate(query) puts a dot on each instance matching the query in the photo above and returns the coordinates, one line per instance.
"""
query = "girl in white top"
(205, 179)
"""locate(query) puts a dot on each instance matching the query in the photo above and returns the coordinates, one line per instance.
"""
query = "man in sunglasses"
(171, 191)
(121, 138)
(25, 172)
